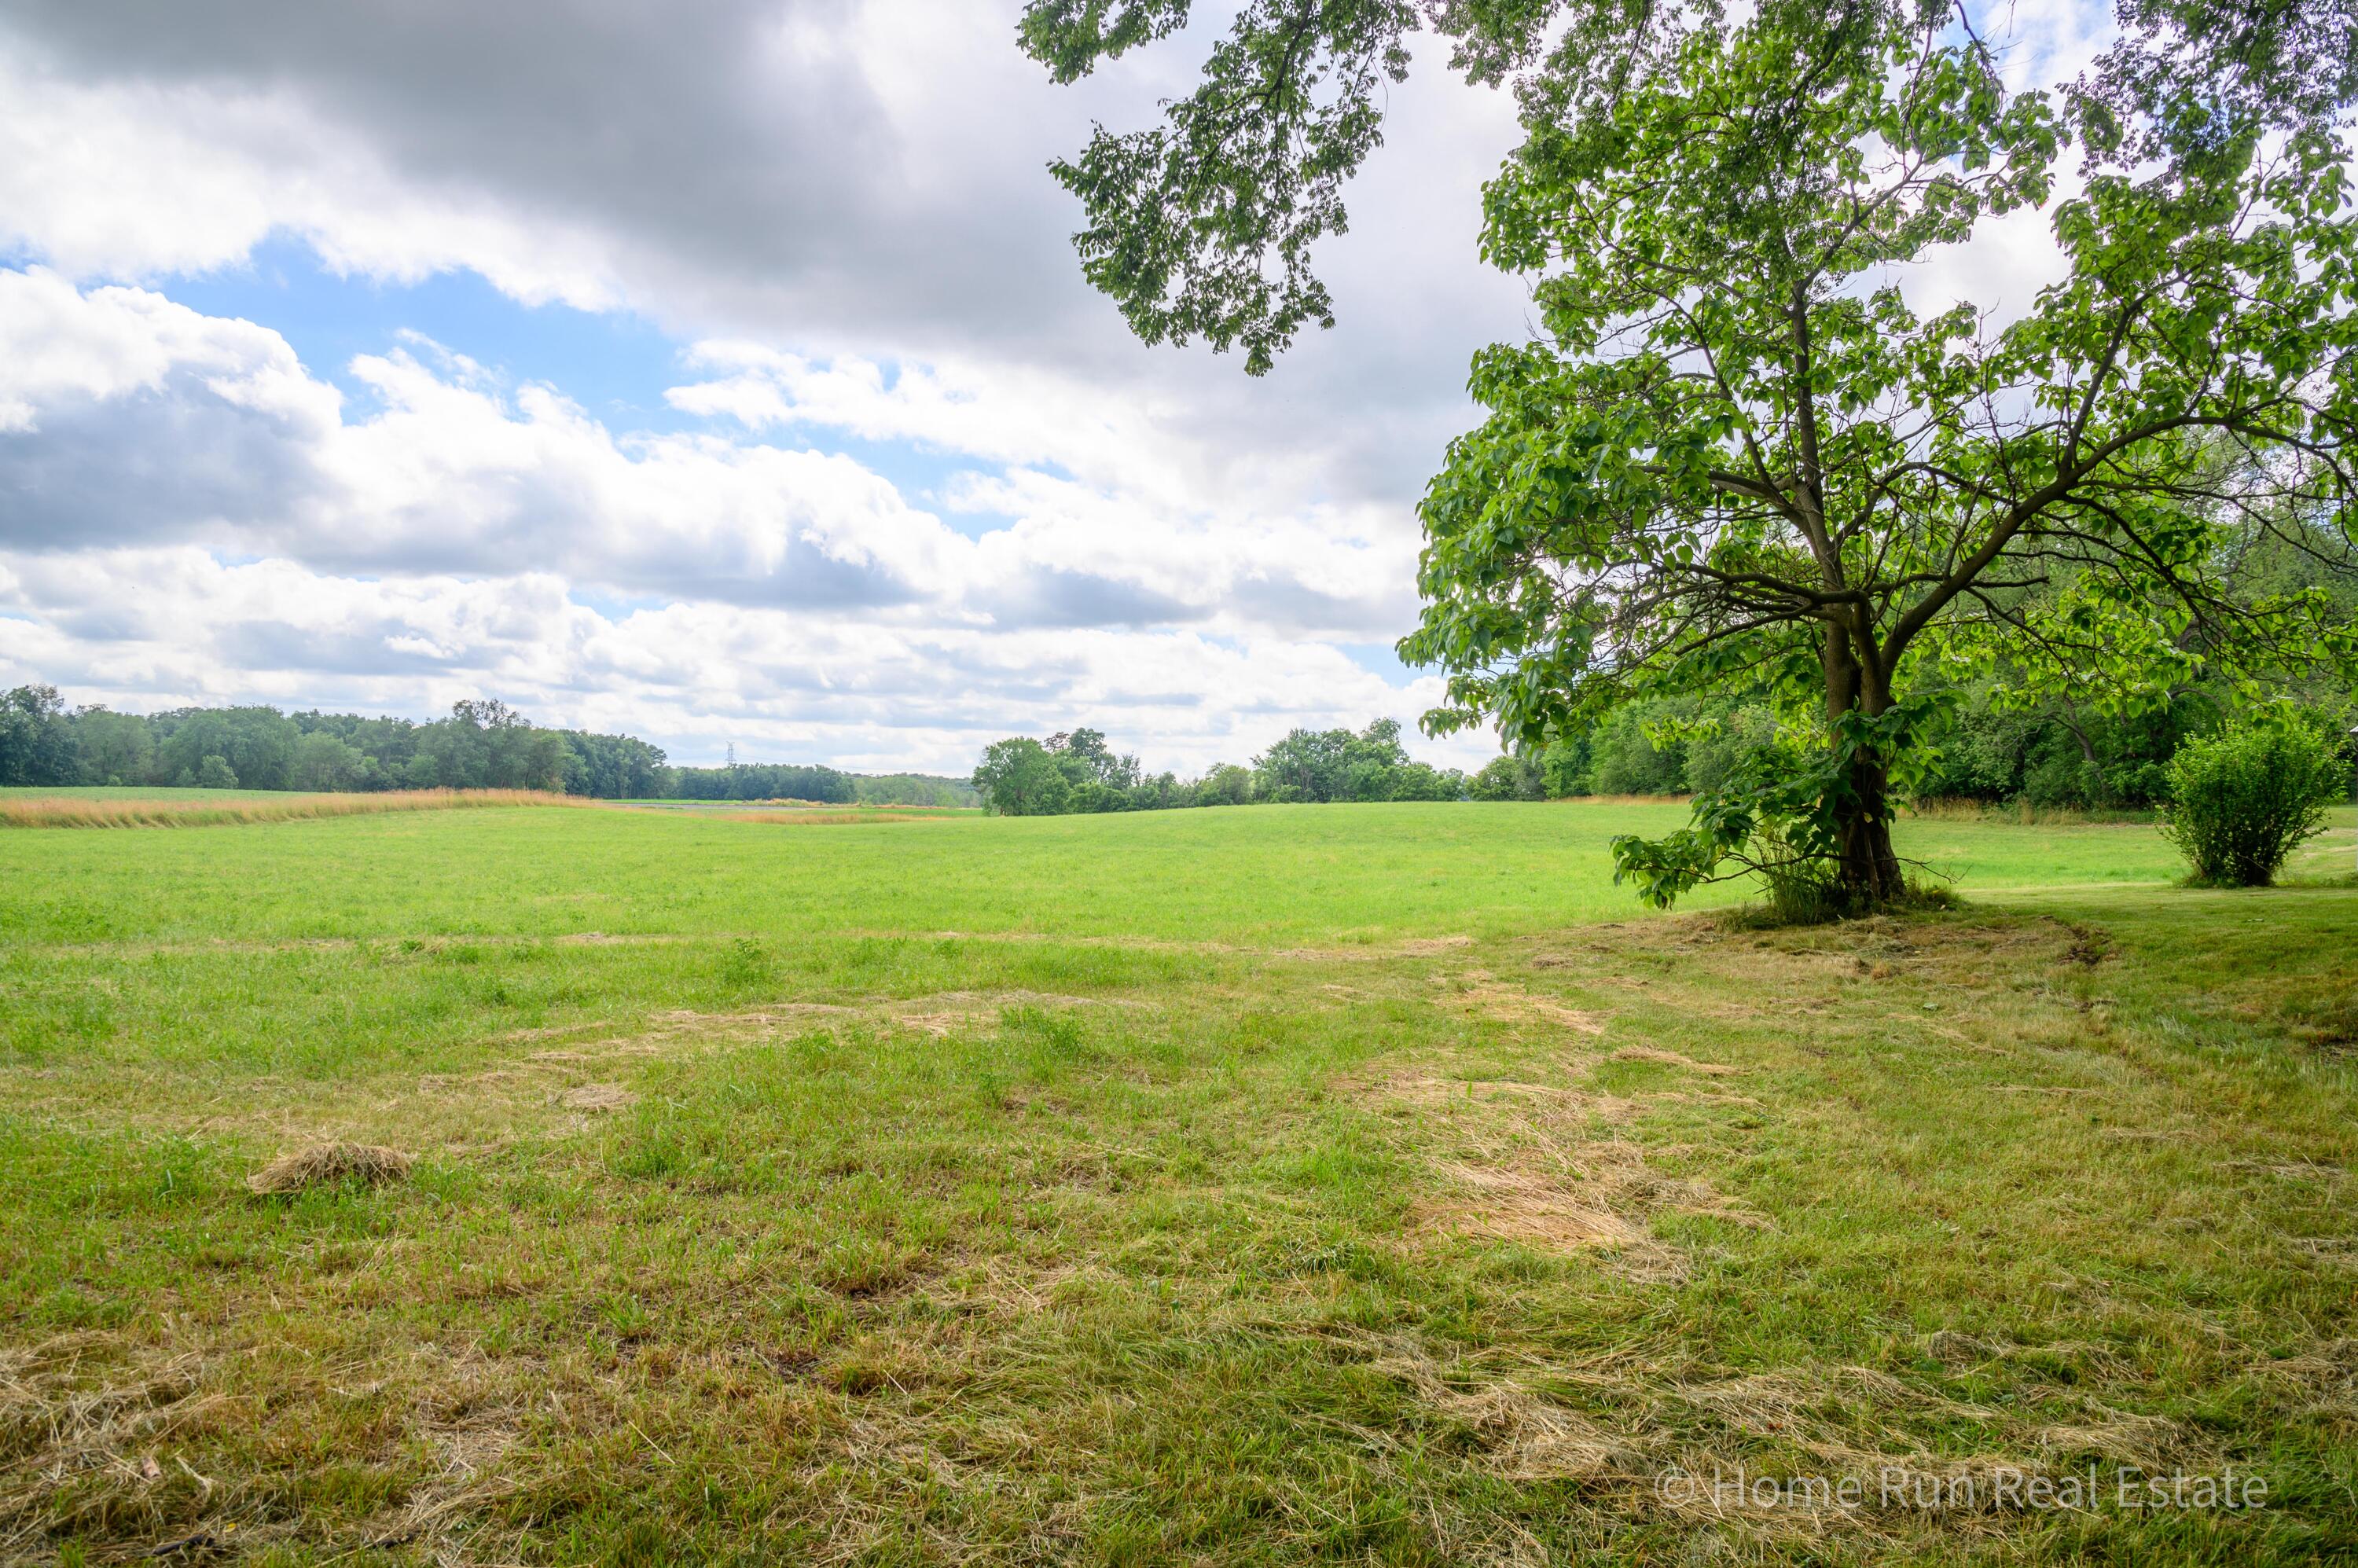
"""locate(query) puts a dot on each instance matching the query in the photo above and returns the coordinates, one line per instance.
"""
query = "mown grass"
(1272, 1186)
(805, 810)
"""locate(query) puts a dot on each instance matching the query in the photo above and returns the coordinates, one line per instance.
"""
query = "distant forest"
(2047, 754)
(481, 745)
(1078, 772)
(1992, 747)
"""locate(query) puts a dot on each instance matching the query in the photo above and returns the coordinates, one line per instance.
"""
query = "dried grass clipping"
(367, 1163)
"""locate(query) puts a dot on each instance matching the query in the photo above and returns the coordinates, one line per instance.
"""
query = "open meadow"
(1269, 1184)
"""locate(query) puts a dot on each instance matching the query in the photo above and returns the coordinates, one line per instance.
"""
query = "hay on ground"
(368, 1163)
(1478, 990)
(1672, 1059)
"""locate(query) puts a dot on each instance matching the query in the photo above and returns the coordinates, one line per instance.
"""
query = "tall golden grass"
(68, 811)
(1946, 808)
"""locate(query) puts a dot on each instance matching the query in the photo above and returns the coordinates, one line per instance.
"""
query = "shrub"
(1624, 759)
(1713, 756)
(2240, 802)
(1509, 778)
(1800, 889)
(1225, 785)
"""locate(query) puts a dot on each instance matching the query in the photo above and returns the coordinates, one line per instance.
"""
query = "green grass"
(1264, 1185)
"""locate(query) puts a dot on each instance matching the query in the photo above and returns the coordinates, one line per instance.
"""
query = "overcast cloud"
(906, 484)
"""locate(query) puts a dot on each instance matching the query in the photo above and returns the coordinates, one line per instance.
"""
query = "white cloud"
(139, 180)
(430, 537)
(183, 626)
(57, 345)
(440, 470)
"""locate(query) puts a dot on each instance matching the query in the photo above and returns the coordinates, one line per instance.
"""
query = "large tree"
(1742, 448)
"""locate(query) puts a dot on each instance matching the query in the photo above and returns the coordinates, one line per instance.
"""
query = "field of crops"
(1264, 1185)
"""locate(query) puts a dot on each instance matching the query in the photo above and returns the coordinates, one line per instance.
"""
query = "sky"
(719, 374)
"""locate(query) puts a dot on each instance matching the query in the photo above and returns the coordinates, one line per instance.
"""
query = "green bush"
(2240, 802)
(1714, 755)
(1624, 759)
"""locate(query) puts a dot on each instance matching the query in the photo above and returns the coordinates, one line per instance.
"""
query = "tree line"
(1078, 772)
(1987, 747)
(482, 744)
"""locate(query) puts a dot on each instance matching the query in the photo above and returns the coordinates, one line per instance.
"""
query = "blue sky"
(615, 364)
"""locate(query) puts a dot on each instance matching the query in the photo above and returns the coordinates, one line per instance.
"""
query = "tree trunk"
(1868, 866)
(1867, 869)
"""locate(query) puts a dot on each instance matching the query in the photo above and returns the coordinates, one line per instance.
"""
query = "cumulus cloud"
(183, 626)
(828, 178)
(136, 420)
(129, 417)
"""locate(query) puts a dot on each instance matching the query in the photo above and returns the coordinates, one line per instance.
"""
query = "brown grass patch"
(1533, 1163)
(70, 811)
(1640, 1425)
(1935, 808)
(1478, 992)
(1525, 1436)
(1519, 1204)
(99, 1428)
(322, 1163)
(62, 1432)
(950, 1012)
(1672, 1059)
(596, 1096)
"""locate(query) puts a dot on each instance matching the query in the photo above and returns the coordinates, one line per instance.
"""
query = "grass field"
(1365, 1184)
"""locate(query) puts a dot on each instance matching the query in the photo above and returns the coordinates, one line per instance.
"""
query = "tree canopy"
(1076, 770)
(1739, 448)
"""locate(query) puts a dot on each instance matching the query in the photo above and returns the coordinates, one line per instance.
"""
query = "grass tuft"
(325, 1164)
